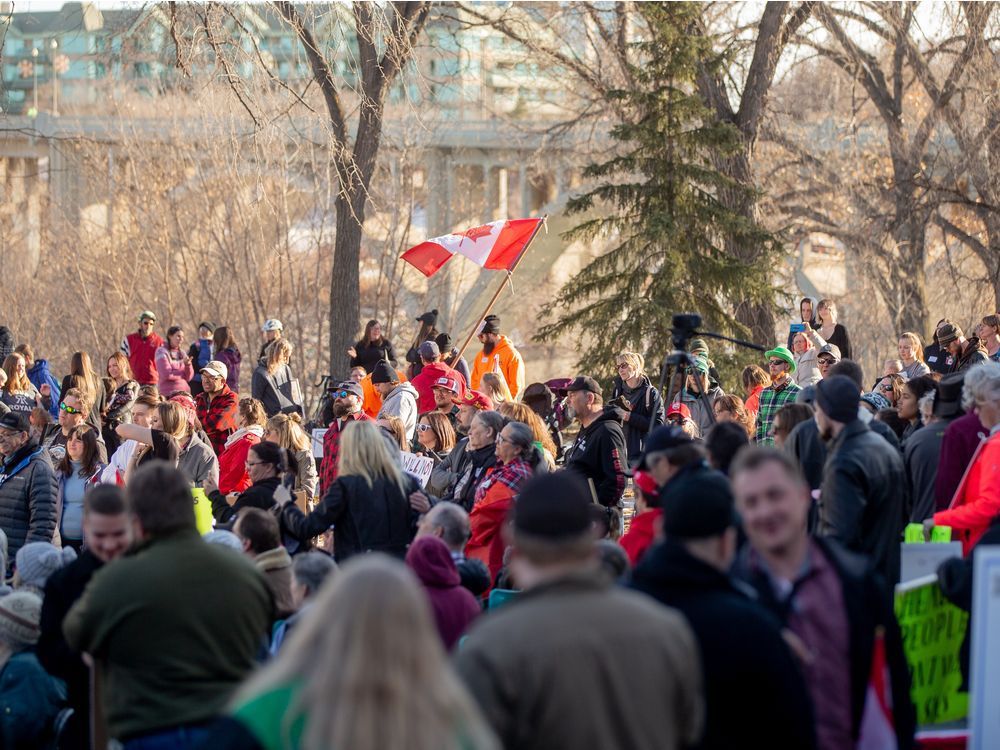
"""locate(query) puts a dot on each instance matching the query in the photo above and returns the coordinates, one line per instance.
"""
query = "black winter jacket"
(28, 491)
(863, 497)
(868, 607)
(599, 453)
(62, 591)
(257, 495)
(755, 694)
(369, 356)
(364, 519)
(646, 405)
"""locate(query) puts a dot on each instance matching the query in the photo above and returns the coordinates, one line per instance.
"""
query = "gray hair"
(453, 522)
(521, 435)
(310, 569)
(492, 419)
(982, 384)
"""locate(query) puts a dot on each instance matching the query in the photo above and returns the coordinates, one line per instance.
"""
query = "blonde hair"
(914, 339)
(252, 412)
(372, 669)
(518, 412)
(291, 436)
(277, 352)
(14, 383)
(365, 453)
(633, 360)
(494, 386)
(173, 419)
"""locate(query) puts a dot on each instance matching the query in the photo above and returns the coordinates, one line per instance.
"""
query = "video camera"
(683, 327)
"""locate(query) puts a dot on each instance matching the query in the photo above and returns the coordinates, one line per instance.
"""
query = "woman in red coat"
(517, 459)
(233, 476)
(977, 500)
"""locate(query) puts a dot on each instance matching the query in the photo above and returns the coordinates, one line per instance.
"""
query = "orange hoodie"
(504, 360)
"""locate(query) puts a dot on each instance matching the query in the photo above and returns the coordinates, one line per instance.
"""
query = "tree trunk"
(345, 290)
(909, 309)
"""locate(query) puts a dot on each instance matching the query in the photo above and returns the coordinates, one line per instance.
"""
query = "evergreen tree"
(657, 202)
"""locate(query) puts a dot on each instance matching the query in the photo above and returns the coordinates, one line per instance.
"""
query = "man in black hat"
(754, 692)
(863, 495)
(449, 355)
(598, 453)
(552, 648)
(28, 487)
(398, 399)
(498, 355)
(922, 450)
(965, 352)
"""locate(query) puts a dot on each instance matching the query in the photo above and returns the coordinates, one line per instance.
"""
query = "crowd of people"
(460, 558)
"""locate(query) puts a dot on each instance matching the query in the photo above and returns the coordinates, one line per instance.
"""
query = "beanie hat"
(430, 318)
(36, 561)
(20, 615)
(553, 506)
(947, 333)
(444, 342)
(698, 345)
(838, 397)
(383, 373)
(876, 401)
(491, 324)
(224, 538)
(697, 504)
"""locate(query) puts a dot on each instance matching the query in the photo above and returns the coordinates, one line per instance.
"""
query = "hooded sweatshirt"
(598, 454)
(454, 607)
(504, 360)
(424, 383)
(39, 375)
(402, 402)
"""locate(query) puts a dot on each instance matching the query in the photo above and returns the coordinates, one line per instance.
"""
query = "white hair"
(982, 385)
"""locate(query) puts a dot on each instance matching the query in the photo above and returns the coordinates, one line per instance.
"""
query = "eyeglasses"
(502, 439)
(69, 409)
(675, 419)
(424, 427)
(826, 360)
(254, 463)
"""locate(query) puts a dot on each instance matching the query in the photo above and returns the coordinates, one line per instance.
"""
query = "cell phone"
(289, 481)
(797, 328)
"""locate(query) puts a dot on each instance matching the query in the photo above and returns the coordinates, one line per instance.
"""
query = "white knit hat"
(20, 614)
(36, 561)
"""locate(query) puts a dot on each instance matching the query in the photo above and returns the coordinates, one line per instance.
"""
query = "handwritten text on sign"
(420, 467)
(933, 630)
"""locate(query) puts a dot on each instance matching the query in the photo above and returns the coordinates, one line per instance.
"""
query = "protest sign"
(419, 467)
(933, 629)
(317, 441)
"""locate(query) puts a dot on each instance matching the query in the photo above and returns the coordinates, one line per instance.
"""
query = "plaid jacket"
(218, 418)
(331, 451)
(771, 400)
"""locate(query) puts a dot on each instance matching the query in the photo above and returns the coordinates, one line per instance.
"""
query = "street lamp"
(54, 45)
(34, 77)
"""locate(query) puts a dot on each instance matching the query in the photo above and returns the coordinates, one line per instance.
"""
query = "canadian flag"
(496, 245)
(877, 726)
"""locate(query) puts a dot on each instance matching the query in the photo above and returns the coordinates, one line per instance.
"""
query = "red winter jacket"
(977, 500)
(141, 353)
(424, 383)
(233, 476)
(640, 535)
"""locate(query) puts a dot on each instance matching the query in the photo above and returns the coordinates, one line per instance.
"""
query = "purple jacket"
(454, 607)
(231, 359)
(959, 444)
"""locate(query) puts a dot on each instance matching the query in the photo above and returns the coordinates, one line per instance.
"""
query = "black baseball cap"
(585, 383)
(697, 504)
(662, 439)
(15, 421)
(351, 387)
(553, 506)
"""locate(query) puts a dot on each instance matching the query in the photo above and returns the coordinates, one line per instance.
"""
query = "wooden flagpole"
(499, 290)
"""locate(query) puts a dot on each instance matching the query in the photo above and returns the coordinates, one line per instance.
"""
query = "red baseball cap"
(474, 398)
(646, 483)
(449, 384)
(678, 408)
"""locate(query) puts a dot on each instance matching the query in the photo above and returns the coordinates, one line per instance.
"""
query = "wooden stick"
(499, 290)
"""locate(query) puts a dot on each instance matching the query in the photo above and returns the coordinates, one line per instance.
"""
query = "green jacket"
(177, 625)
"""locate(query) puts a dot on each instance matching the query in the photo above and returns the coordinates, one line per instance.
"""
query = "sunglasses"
(885, 388)
(69, 409)
(424, 427)
(776, 362)
(622, 366)
(826, 360)
(342, 394)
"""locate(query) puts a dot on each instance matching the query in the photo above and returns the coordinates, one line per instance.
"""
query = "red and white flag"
(877, 722)
(496, 246)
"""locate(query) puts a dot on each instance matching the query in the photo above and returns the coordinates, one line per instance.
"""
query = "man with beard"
(445, 390)
(498, 355)
(346, 409)
(862, 497)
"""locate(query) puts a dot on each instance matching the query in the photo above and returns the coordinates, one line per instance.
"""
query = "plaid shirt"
(331, 451)
(772, 399)
(218, 418)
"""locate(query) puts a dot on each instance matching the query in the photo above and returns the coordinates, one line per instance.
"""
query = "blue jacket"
(201, 353)
(39, 374)
(30, 699)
